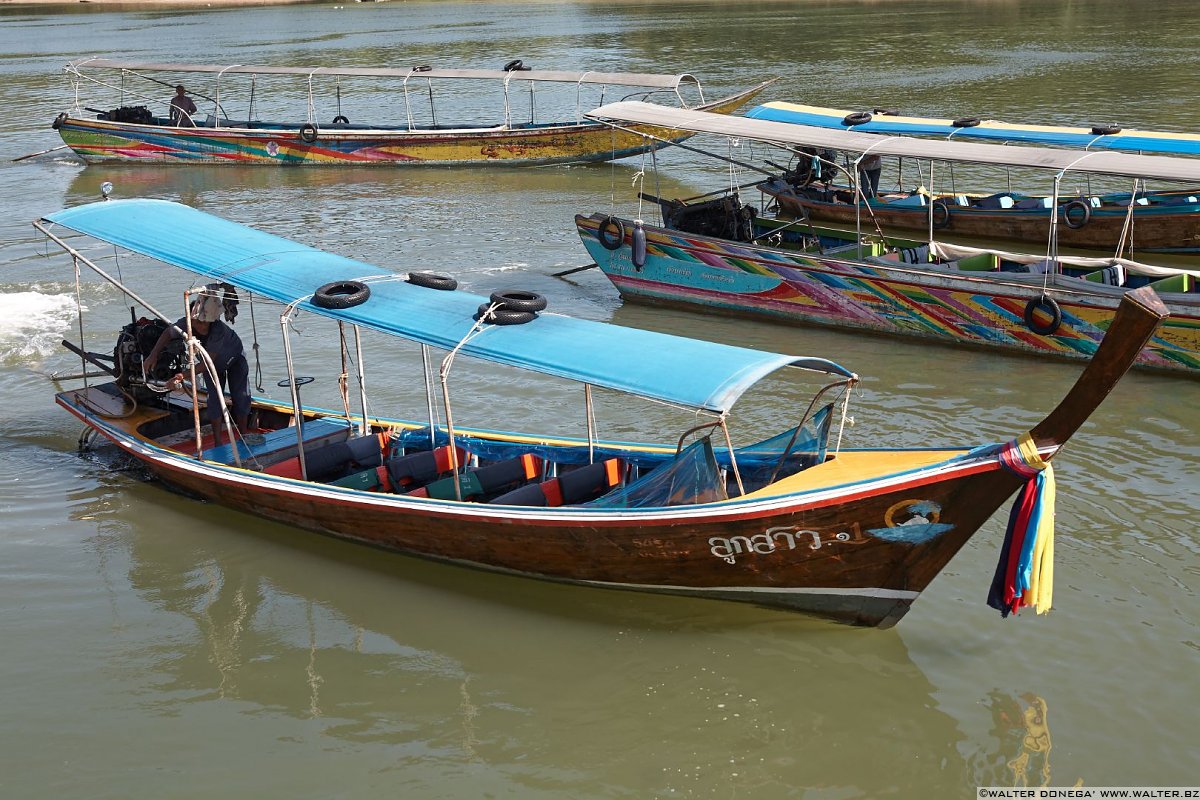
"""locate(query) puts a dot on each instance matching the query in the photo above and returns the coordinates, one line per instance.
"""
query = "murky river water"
(157, 647)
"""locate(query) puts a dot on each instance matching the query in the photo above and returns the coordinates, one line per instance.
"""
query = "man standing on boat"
(869, 170)
(182, 109)
(223, 346)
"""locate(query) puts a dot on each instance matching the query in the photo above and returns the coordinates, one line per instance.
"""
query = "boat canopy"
(545, 76)
(1085, 138)
(695, 374)
(788, 134)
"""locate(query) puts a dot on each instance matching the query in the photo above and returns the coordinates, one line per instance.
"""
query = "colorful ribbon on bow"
(1025, 573)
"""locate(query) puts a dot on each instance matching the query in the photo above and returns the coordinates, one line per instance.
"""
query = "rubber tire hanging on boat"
(966, 122)
(341, 294)
(856, 118)
(618, 239)
(59, 120)
(423, 68)
(1077, 222)
(1047, 305)
(1105, 130)
(503, 316)
(939, 220)
(340, 120)
(519, 300)
(432, 280)
(308, 132)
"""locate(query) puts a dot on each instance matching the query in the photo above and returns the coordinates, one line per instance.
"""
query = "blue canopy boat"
(1095, 137)
(793, 521)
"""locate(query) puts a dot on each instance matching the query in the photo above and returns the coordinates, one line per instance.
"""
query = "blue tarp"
(687, 372)
(1128, 141)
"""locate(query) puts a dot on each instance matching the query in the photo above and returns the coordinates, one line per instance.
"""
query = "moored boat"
(794, 521)
(418, 130)
(724, 256)
(1159, 221)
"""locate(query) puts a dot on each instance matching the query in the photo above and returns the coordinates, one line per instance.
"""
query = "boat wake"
(32, 324)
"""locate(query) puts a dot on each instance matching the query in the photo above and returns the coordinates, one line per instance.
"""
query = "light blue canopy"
(687, 372)
(1084, 138)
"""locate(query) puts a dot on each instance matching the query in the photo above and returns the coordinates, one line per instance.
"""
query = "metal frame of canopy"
(788, 135)
(732, 370)
(505, 77)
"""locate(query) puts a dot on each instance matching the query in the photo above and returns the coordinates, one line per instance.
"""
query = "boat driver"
(182, 108)
(223, 346)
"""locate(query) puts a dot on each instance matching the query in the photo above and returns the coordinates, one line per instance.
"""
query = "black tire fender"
(1076, 214)
(1046, 305)
(432, 280)
(59, 120)
(939, 211)
(613, 240)
(856, 118)
(340, 120)
(341, 294)
(966, 122)
(1105, 130)
(515, 65)
(503, 316)
(308, 132)
(519, 300)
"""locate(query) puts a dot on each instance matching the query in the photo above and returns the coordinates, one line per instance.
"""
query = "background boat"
(411, 133)
(966, 297)
(1104, 135)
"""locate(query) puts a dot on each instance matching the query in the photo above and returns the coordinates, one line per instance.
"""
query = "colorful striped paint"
(979, 308)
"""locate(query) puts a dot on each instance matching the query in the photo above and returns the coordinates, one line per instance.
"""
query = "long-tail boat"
(407, 126)
(1165, 221)
(724, 255)
(794, 521)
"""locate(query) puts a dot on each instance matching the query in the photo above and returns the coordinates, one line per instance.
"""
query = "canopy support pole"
(737, 475)
(296, 410)
(364, 428)
(429, 395)
(591, 422)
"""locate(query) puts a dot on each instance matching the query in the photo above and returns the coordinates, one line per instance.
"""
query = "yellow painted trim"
(854, 466)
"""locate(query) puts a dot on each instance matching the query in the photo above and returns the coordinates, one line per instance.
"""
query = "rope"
(258, 373)
(1127, 226)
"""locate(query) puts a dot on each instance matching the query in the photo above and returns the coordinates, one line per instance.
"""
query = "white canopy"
(789, 134)
(607, 78)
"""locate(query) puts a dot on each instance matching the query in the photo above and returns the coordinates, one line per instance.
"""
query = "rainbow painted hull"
(99, 141)
(984, 309)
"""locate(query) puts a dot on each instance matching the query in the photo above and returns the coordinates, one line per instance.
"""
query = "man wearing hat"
(223, 346)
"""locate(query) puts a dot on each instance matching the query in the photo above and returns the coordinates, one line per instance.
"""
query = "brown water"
(157, 647)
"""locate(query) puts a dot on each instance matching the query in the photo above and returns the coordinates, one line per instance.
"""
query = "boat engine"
(138, 114)
(134, 343)
(724, 217)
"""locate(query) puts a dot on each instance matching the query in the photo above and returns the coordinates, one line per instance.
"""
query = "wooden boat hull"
(986, 309)
(839, 544)
(1171, 228)
(102, 141)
